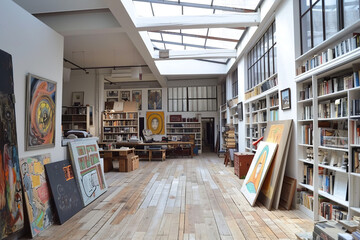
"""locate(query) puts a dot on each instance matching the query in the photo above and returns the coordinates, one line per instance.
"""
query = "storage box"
(242, 162)
(134, 162)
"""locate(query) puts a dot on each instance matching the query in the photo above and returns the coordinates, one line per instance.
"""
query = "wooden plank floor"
(178, 199)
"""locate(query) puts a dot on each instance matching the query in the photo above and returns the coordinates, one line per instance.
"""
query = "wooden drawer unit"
(242, 162)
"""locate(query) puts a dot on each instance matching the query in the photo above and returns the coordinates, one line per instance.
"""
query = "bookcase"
(191, 128)
(327, 138)
(223, 122)
(119, 126)
(77, 118)
(259, 111)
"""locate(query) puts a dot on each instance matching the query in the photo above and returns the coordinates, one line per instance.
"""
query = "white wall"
(36, 49)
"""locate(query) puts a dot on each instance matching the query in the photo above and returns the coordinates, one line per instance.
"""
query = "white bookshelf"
(119, 126)
(320, 145)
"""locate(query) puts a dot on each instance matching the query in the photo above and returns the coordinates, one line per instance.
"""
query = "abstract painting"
(11, 202)
(155, 122)
(154, 99)
(257, 171)
(36, 191)
(64, 190)
(276, 132)
(40, 113)
(87, 169)
(136, 97)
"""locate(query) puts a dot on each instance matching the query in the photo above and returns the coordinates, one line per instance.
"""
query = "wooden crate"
(134, 162)
(242, 162)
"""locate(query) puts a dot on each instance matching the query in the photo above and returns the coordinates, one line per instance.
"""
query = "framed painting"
(88, 172)
(77, 99)
(258, 170)
(40, 113)
(64, 190)
(155, 122)
(36, 192)
(154, 99)
(11, 197)
(137, 97)
(125, 95)
(285, 99)
(112, 93)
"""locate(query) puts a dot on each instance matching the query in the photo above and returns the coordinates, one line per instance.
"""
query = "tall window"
(261, 59)
(223, 93)
(192, 99)
(320, 19)
(234, 83)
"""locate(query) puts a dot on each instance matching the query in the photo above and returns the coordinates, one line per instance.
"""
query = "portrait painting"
(154, 99)
(258, 170)
(137, 97)
(155, 122)
(40, 113)
(36, 192)
(11, 195)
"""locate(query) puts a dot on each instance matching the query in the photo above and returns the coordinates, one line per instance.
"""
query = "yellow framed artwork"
(155, 122)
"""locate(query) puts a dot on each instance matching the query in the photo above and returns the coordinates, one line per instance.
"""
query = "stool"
(163, 153)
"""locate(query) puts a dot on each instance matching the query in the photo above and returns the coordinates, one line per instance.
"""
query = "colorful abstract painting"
(87, 169)
(36, 191)
(64, 190)
(154, 99)
(155, 122)
(137, 97)
(11, 202)
(257, 171)
(40, 113)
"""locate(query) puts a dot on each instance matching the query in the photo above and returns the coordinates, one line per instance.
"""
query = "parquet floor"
(178, 199)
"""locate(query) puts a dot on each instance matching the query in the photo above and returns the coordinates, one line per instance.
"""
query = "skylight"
(191, 39)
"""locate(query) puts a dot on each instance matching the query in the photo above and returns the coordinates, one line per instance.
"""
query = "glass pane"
(170, 93)
(266, 59)
(143, 9)
(275, 59)
(351, 12)
(202, 106)
(170, 106)
(166, 10)
(271, 61)
(331, 20)
(192, 105)
(317, 23)
(175, 106)
(184, 106)
(197, 11)
(179, 105)
(304, 5)
(270, 37)
(212, 105)
(306, 32)
(184, 92)
(171, 38)
(274, 32)
(266, 41)
(194, 40)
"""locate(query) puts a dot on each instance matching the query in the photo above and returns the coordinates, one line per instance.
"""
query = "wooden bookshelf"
(119, 126)
(77, 118)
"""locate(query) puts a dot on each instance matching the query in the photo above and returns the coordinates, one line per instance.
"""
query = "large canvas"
(137, 97)
(40, 113)
(87, 169)
(36, 191)
(64, 190)
(154, 99)
(155, 122)
(11, 202)
(257, 171)
(276, 132)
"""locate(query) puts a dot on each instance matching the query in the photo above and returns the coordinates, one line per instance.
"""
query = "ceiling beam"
(197, 54)
(201, 21)
(184, 44)
(196, 36)
(197, 5)
(124, 13)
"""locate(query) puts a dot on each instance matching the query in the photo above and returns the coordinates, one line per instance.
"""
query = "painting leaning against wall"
(11, 202)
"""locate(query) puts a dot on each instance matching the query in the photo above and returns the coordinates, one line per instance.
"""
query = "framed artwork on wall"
(155, 122)
(154, 99)
(112, 93)
(125, 95)
(137, 97)
(40, 113)
(77, 99)
(285, 99)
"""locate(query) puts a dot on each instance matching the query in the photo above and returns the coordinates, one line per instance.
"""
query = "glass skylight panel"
(204, 2)
(247, 4)
(193, 48)
(197, 31)
(216, 60)
(194, 40)
(197, 11)
(161, 10)
(171, 38)
(234, 34)
(174, 47)
(220, 44)
(158, 45)
(155, 36)
(143, 9)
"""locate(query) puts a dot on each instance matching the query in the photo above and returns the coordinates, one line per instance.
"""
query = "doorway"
(208, 129)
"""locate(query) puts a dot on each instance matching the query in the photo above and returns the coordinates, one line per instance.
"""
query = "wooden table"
(121, 155)
(136, 144)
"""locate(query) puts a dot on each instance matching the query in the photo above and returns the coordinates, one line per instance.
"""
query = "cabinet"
(242, 162)
(259, 111)
(119, 126)
(77, 118)
(223, 122)
(327, 148)
(177, 130)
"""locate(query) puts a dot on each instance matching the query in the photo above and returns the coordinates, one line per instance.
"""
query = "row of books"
(120, 130)
(355, 107)
(333, 138)
(274, 100)
(120, 123)
(306, 93)
(331, 211)
(307, 134)
(308, 174)
(259, 117)
(261, 88)
(307, 112)
(335, 84)
(261, 104)
(356, 160)
(306, 199)
(326, 181)
(274, 115)
(339, 49)
(120, 116)
(355, 135)
(333, 108)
